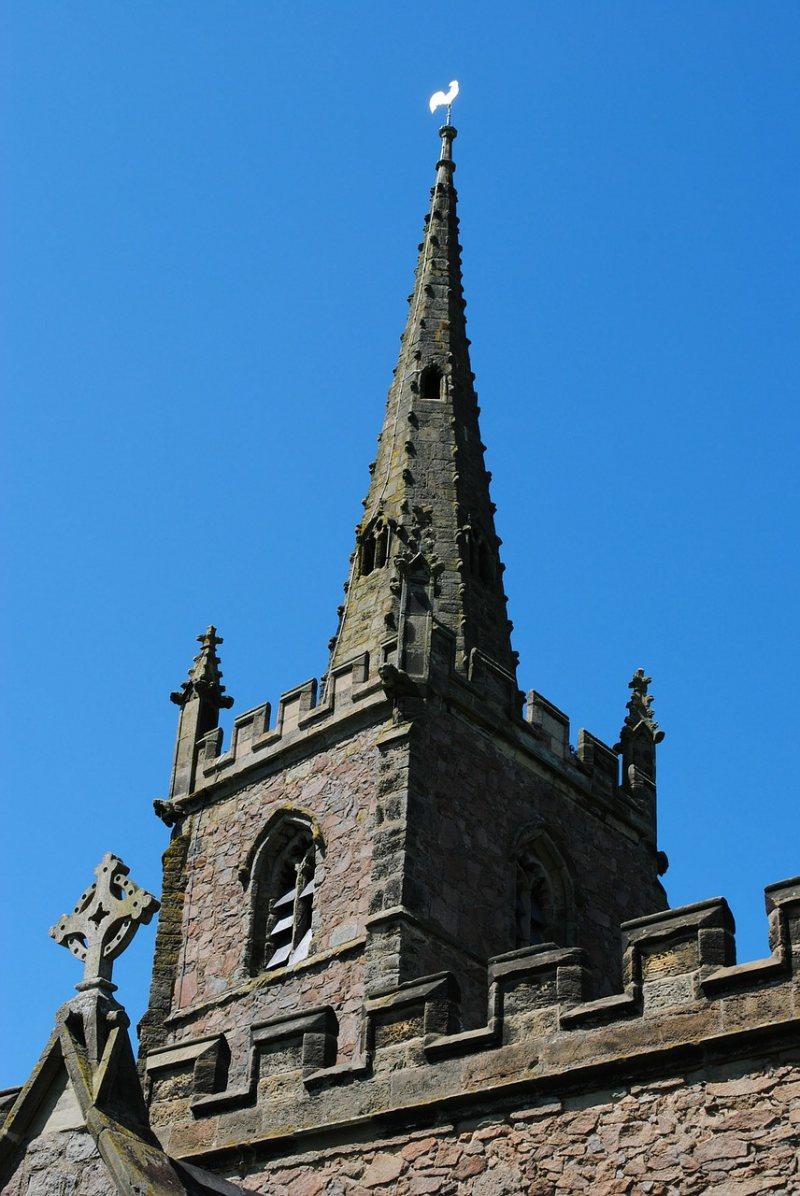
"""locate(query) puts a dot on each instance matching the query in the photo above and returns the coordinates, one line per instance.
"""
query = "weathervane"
(444, 99)
(104, 921)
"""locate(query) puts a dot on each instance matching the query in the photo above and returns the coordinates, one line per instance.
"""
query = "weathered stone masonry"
(461, 832)
(718, 1130)
(688, 1078)
(411, 939)
(415, 814)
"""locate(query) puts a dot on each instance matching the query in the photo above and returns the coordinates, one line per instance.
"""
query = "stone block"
(194, 1068)
(783, 909)
(250, 727)
(599, 760)
(314, 1032)
(689, 940)
(532, 983)
(551, 723)
(418, 1008)
(294, 705)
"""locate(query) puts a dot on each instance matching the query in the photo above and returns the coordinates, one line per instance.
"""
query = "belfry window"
(543, 901)
(430, 383)
(533, 904)
(374, 547)
(283, 897)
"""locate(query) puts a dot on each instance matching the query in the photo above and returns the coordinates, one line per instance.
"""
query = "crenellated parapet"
(684, 1000)
(624, 773)
(357, 687)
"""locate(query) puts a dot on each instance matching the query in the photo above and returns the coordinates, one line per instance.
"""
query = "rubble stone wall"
(731, 1130)
(63, 1163)
(337, 788)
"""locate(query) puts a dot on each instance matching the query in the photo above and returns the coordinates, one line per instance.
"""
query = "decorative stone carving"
(638, 738)
(640, 707)
(104, 921)
(205, 675)
(200, 699)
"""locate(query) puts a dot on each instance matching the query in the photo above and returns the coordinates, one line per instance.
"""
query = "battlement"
(684, 1000)
(300, 714)
(357, 687)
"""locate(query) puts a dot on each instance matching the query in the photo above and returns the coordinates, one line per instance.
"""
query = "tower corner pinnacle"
(200, 698)
(205, 675)
(639, 736)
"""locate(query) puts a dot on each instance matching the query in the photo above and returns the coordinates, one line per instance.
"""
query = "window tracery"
(543, 909)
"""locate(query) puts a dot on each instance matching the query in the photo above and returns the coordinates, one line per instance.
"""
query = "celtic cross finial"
(104, 921)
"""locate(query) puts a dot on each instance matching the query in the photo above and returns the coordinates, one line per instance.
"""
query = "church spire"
(428, 511)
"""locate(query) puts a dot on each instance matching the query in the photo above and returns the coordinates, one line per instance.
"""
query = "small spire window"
(430, 383)
(374, 547)
(476, 555)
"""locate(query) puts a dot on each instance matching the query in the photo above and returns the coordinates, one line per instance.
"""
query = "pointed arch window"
(533, 904)
(283, 888)
(467, 548)
(543, 904)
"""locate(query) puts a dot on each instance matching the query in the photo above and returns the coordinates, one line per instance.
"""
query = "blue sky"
(210, 221)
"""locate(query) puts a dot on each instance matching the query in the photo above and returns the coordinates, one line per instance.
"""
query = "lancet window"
(533, 905)
(283, 896)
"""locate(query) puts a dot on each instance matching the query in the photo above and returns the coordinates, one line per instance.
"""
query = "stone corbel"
(166, 811)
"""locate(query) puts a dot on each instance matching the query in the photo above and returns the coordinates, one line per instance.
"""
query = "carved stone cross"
(104, 921)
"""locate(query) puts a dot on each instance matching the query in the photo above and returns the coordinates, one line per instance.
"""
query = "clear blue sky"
(211, 214)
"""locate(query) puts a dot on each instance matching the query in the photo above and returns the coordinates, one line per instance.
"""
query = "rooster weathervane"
(444, 99)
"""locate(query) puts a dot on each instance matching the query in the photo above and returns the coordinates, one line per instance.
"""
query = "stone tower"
(389, 957)
(413, 820)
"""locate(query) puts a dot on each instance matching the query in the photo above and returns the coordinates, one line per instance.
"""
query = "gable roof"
(86, 1079)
